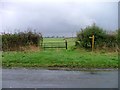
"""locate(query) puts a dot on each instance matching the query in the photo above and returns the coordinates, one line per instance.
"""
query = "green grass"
(70, 41)
(53, 39)
(60, 58)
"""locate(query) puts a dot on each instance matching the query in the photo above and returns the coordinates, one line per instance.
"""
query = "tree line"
(103, 39)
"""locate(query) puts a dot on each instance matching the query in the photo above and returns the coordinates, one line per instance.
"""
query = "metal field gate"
(55, 45)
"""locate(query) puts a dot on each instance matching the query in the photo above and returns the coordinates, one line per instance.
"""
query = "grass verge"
(60, 59)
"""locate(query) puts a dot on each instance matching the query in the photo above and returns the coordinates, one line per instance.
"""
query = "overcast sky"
(57, 17)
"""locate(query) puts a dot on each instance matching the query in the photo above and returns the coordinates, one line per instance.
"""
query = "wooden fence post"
(93, 37)
(66, 44)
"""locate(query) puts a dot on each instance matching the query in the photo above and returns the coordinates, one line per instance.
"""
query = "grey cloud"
(59, 18)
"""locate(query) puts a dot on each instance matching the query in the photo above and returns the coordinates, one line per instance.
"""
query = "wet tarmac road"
(37, 78)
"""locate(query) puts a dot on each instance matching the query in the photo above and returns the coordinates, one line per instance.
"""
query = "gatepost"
(66, 43)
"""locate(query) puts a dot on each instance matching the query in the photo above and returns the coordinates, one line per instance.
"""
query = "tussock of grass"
(60, 58)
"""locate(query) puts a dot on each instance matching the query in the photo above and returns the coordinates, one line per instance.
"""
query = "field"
(60, 58)
(70, 41)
